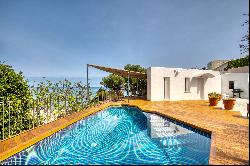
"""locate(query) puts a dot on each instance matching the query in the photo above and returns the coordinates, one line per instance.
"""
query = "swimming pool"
(120, 135)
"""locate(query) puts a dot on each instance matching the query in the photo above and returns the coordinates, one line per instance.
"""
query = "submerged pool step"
(189, 139)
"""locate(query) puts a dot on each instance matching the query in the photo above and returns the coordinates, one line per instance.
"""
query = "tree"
(13, 87)
(113, 82)
(116, 83)
(244, 46)
(133, 82)
(136, 68)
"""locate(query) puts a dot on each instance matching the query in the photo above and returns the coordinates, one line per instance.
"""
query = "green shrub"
(102, 94)
(14, 88)
(34, 106)
(238, 62)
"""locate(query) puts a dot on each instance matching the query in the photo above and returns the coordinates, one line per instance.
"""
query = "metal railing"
(21, 115)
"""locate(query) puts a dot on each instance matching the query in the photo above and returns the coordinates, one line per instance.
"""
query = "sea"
(94, 81)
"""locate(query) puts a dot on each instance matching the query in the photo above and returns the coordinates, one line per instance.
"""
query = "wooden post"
(137, 87)
(128, 87)
(9, 117)
(3, 118)
(88, 82)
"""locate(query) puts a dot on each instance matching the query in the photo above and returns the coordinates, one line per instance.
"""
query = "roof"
(204, 75)
(120, 72)
(243, 69)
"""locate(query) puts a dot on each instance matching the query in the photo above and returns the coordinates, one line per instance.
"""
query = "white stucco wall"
(148, 84)
(177, 83)
(212, 85)
(241, 81)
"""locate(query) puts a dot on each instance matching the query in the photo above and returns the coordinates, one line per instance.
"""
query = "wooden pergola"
(120, 72)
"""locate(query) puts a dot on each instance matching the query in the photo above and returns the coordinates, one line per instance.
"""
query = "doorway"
(166, 88)
(200, 87)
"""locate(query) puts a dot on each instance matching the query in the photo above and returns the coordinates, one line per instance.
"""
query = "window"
(231, 84)
(187, 84)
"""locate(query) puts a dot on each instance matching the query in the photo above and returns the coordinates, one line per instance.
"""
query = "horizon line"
(63, 76)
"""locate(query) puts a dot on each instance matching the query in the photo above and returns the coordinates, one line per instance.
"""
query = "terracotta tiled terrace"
(230, 131)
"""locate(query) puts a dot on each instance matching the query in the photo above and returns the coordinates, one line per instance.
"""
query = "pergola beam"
(120, 72)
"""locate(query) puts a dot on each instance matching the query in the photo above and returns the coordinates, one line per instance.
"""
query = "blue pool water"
(120, 135)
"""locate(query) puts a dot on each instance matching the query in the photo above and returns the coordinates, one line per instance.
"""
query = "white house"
(237, 78)
(181, 84)
(192, 84)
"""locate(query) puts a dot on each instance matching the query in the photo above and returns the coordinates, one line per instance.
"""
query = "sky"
(59, 37)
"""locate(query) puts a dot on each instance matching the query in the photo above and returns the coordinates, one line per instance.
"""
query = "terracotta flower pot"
(229, 104)
(213, 101)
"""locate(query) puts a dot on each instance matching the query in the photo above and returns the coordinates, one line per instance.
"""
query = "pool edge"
(6, 154)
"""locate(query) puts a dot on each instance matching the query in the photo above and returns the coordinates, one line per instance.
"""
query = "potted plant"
(214, 98)
(229, 103)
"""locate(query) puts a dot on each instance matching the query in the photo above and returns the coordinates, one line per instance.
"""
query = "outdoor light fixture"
(176, 72)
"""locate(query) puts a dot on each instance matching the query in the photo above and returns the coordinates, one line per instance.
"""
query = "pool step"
(190, 139)
(159, 127)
